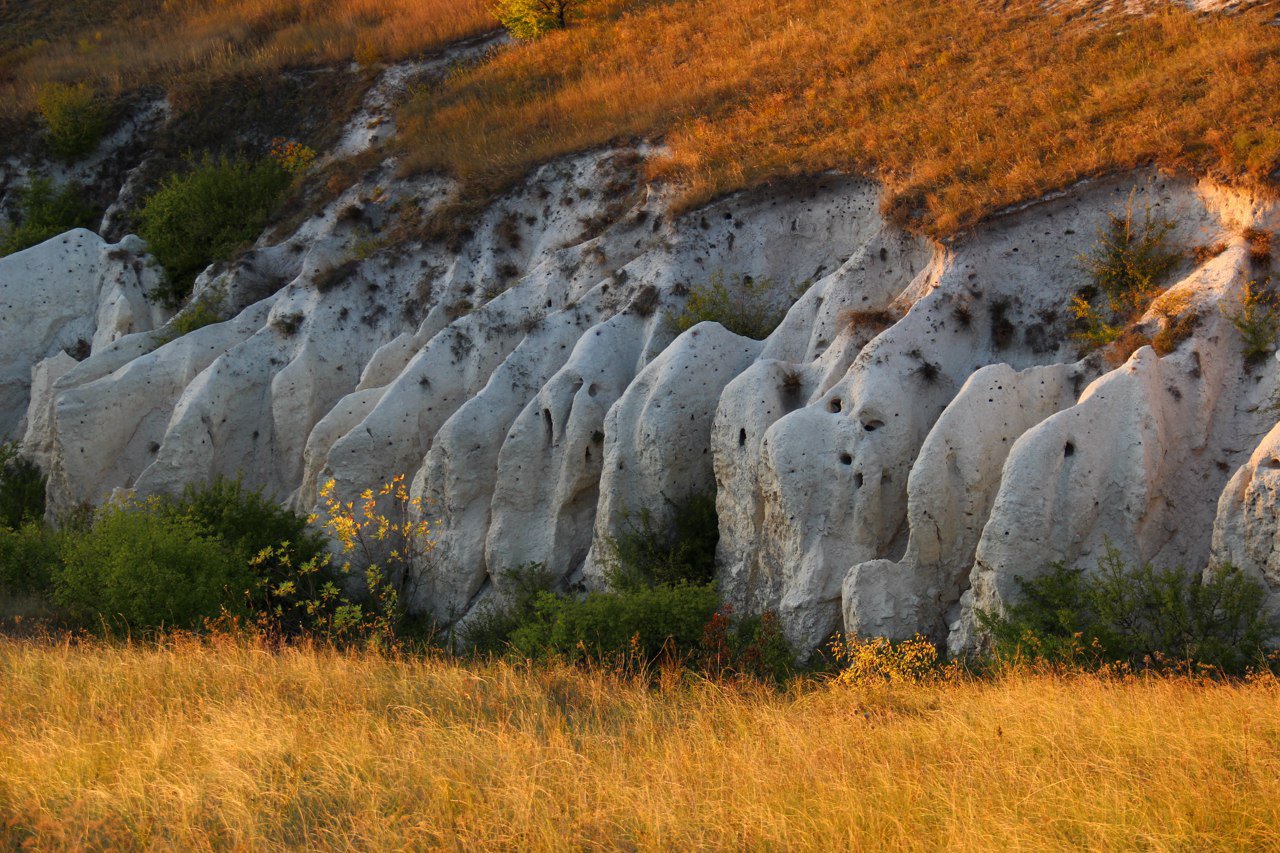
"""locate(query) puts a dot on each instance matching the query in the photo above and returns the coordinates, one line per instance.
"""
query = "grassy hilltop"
(961, 107)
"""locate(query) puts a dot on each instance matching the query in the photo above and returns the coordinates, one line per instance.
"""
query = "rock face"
(1246, 532)
(74, 293)
(916, 434)
(950, 492)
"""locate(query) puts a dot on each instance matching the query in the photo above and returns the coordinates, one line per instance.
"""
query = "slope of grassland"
(197, 746)
(961, 107)
(119, 47)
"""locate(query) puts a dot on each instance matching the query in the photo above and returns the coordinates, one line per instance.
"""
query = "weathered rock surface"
(1246, 532)
(72, 294)
(950, 492)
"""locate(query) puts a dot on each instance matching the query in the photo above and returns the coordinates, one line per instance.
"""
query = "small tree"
(529, 19)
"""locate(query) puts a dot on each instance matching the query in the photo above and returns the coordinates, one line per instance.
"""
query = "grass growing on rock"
(194, 745)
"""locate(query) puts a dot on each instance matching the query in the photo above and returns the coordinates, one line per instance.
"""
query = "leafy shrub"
(637, 625)
(877, 661)
(200, 313)
(387, 537)
(245, 520)
(205, 214)
(1127, 265)
(744, 306)
(44, 212)
(22, 486)
(1257, 321)
(30, 556)
(262, 535)
(1131, 257)
(490, 632)
(1136, 615)
(529, 19)
(294, 157)
(644, 555)
(74, 117)
(149, 567)
(753, 647)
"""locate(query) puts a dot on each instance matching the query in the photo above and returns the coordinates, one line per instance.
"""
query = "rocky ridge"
(917, 432)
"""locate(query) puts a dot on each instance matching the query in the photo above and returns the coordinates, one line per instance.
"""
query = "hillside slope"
(921, 428)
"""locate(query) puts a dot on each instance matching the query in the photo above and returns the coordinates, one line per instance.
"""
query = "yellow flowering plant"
(385, 535)
(878, 661)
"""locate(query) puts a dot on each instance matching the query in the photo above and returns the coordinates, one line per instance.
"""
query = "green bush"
(640, 623)
(744, 306)
(147, 567)
(490, 632)
(30, 557)
(22, 486)
(246, 523)
(754, 647)
(44, 212)
(1137, 615)
(1257, 321)
(644, 555)
(529, 19)
(74, 117)
(662, 599)
(198, 314)
(203, 215)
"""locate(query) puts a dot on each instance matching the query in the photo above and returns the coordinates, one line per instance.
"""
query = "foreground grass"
(196, 745)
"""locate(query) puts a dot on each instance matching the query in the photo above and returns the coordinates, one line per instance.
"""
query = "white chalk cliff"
(916, 434)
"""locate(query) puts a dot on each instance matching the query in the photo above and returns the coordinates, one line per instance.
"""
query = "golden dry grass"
(196, 746)
(177, 42)
(961, 107)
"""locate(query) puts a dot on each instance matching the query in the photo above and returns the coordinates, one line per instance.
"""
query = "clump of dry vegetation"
(1128, 265)
(225, 744)
(960, 108)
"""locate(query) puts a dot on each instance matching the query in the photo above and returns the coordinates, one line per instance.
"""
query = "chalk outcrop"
(74, 294)
(917, 433)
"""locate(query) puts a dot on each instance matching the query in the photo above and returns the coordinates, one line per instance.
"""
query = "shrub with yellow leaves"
(294, 157)
(878, 661)
(386, 537)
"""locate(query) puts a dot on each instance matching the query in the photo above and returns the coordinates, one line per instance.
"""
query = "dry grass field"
(118, 47)
(227, 745)
(960, 107)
